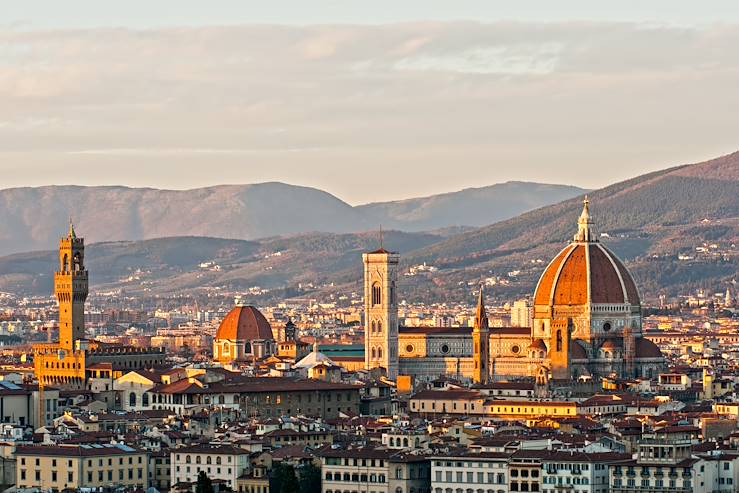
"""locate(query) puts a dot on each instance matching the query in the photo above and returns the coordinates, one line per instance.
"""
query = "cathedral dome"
(538, 345)
(586, 272)
(244, 323)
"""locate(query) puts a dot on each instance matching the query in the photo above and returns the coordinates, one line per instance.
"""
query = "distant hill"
(470, 207)
(677, 230)
(649, 220)
(34, 218)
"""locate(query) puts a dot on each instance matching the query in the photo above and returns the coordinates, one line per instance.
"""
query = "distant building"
(522, 313)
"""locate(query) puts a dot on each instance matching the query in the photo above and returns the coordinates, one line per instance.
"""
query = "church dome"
(610, 344)
(586, 272)
(577, 351)
(646, 348)
(244, 323)
(538, 345)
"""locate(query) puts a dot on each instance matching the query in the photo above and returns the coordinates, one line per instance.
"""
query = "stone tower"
(481, 343)
(381, 311)
(70, 288)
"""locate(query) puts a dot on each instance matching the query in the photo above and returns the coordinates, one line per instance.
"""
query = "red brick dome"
(586, 272)
(244, 323)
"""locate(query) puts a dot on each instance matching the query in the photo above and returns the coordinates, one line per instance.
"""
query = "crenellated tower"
(70, 288)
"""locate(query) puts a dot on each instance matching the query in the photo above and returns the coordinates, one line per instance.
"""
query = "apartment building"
(62, 467)
(224, 462)
(484, 472)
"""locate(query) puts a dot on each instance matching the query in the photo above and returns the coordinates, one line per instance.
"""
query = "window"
(376, 294)
(559, 340)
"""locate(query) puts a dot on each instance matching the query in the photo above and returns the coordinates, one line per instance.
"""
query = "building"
(260, 397)
(661, 464)
(522, 313)
(370, 470)
(225, 463)
(244, 335)
(586, 324)
(61, 467)
(478, 471)
(66, 362)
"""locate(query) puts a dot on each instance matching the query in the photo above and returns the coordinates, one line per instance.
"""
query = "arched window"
(247, 348)
(379, 327)
(145, 399)
(77, 262)
(187, 459)
(559, 340)
(208, 459)
(226, 348)
(65, 263)
(218, 460)
(132, 399)
(379, 353)
(374, 327)
(374, 353)
(405, 442)
(376, 294)
(197, 459)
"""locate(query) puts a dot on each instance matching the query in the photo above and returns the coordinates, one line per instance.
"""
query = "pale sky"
(367, 100)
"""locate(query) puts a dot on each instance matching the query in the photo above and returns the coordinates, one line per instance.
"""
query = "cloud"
(484, 101)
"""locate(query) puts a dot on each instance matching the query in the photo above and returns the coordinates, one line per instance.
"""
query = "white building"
(478, 472)
(226, 463)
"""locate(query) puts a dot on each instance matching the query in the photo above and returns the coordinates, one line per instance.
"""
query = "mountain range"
(34, 218)
(677, 230)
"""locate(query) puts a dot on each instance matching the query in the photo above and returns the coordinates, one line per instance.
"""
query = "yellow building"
(80, 466)
(65, 363)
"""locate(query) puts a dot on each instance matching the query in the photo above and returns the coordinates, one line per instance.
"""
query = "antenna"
(382, 246)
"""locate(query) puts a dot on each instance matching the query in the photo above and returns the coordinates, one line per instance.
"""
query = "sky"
(369, 101)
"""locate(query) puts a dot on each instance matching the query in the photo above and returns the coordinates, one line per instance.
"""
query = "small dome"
(538, 345)
(647, 349)
(610, 344)
(244, 323)
(577, 351)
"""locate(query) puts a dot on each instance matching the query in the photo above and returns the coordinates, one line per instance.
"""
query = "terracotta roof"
(646, 348)
(577, 351)
(584, 272)
(244, 323)
(538, 344)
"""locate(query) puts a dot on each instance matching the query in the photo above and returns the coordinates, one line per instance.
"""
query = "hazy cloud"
(461, 103)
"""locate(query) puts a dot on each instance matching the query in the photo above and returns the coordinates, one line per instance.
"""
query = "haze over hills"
(34, 218)
(677, 230)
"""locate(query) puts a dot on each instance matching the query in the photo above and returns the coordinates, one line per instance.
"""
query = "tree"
(205, 485)
(310, 479)
(284, 480)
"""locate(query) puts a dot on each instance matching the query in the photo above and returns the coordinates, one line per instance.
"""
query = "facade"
(586, 324)
(244, 335)
(80, 466)
(485, 472)
(260, 397)
(369, 470)
(65, 363)
(226, 463)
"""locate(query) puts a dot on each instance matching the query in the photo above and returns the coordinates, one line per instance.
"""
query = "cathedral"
(74, 362)
(587, 325)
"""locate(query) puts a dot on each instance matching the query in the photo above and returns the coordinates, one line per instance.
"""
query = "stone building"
(586, 325)
(244, 335)
(67, 362)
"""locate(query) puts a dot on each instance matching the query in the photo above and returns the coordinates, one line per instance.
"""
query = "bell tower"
(481, 343)
(381, 311)
(70, 288)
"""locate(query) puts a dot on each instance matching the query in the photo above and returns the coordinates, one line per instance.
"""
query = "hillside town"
(581, 387)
